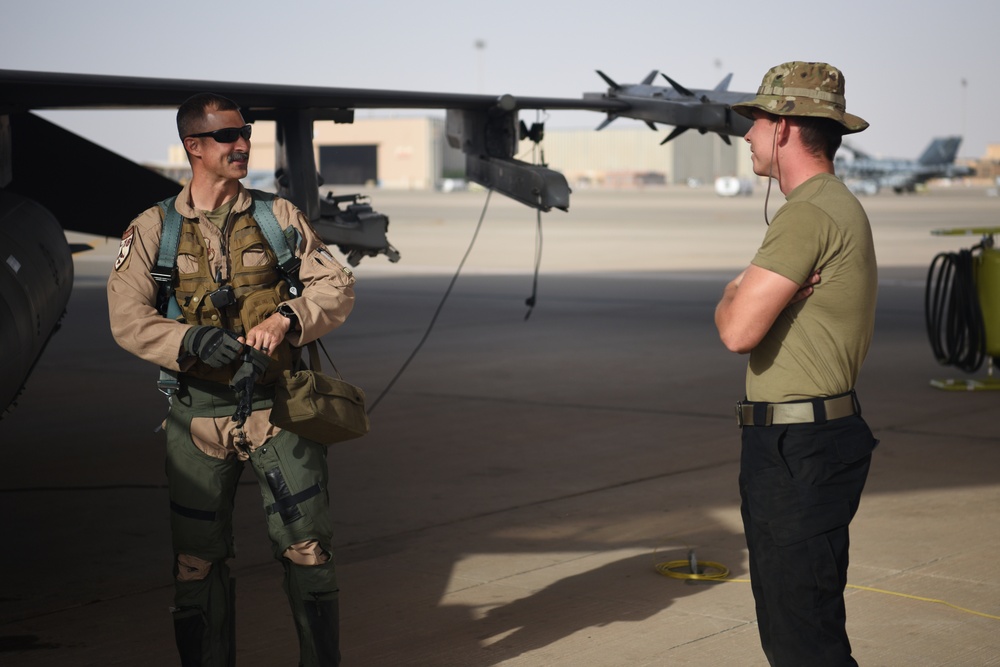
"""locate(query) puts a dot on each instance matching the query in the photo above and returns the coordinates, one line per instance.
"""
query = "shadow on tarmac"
(518, 486)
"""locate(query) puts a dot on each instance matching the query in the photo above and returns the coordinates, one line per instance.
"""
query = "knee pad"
(307, 553)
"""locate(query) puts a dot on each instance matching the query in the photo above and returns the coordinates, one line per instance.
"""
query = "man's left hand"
(269, 334)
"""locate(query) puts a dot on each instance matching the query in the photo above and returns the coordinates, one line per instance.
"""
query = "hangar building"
(413, 153)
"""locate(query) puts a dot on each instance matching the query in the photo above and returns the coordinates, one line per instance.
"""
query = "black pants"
(800, 486)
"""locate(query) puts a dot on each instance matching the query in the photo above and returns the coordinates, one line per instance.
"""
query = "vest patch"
(125, 248)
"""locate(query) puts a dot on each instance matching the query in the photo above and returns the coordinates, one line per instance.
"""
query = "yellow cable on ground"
(709, 571)
(916, 597)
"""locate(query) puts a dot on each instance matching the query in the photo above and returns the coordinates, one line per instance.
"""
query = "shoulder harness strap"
(163, 274)
(281, 243)
(166, 260)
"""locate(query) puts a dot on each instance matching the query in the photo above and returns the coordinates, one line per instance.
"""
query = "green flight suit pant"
(293, 477)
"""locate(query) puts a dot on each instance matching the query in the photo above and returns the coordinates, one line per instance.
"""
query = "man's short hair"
(820, 136)
(193, 109)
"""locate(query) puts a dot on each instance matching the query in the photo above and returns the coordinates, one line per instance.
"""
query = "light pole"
(480, 45)
(965, 85)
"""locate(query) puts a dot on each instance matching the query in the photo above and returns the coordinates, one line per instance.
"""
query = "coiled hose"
(952, 312)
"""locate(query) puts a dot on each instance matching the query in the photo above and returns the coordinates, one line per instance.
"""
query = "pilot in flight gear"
(235, 305)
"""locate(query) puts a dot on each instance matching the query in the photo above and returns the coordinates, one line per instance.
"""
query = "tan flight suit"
(203, 463)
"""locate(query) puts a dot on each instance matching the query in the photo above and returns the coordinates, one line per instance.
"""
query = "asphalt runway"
(524, 475)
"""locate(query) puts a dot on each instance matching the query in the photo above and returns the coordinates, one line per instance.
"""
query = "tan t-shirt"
(816, 347)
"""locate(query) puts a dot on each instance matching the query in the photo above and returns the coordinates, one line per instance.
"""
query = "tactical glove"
(245, 379)
(216, 347)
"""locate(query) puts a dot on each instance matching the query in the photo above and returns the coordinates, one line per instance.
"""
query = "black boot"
(206, 634)
(189, 632)
(324, 626)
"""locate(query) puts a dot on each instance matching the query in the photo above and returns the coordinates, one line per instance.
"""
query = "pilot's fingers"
(267, 335)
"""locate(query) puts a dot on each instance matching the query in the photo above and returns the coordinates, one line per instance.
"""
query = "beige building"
(634, 157)
(988, 168)
(395, 153)
(413, 153)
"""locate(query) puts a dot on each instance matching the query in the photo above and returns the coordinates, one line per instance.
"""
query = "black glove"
(216, 347)
(245, 379)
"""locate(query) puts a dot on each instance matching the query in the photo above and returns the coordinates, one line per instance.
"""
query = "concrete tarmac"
(523, 477)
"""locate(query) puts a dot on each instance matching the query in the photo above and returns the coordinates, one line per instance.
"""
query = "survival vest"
(251, 294)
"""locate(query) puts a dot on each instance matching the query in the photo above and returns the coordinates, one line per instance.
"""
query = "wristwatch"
(286, 311)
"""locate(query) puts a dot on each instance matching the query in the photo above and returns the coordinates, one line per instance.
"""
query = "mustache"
(242, 156)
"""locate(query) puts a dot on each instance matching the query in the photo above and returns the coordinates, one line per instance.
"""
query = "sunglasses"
(226, 135)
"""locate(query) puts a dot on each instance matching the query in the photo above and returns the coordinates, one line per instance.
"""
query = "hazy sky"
(914, 69)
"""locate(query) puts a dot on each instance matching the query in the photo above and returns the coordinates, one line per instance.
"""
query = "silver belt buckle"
(739, 413)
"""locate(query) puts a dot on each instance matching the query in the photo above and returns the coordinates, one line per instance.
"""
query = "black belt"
(815, 411)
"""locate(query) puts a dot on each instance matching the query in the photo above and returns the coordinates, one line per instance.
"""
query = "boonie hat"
(803, 89)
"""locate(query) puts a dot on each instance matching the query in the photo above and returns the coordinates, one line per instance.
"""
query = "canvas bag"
(319, 407)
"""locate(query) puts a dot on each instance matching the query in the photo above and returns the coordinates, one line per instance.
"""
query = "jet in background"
(865, 174)
(37, 206)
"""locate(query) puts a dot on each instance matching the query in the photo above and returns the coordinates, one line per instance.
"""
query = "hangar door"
(348, 165)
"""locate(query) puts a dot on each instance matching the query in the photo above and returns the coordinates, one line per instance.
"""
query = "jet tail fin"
(942, 150)
(723, 85)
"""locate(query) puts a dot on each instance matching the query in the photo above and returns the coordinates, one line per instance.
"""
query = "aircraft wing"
(24, 90)
(484, 127)
(36, 204)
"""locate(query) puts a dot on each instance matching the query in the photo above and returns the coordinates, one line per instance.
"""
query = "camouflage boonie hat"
(803, 89)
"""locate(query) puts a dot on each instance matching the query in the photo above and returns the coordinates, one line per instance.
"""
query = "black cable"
(530, 301)
(952, 312)
(444, 298)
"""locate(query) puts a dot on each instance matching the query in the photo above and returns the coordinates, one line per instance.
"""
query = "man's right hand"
(213, 345)
(806, 289)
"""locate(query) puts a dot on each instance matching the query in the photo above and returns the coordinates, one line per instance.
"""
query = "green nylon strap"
(166, 259)
(171, 236)
(281, 242)
(264, 215)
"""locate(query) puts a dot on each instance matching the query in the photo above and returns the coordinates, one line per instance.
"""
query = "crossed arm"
(752, 302)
